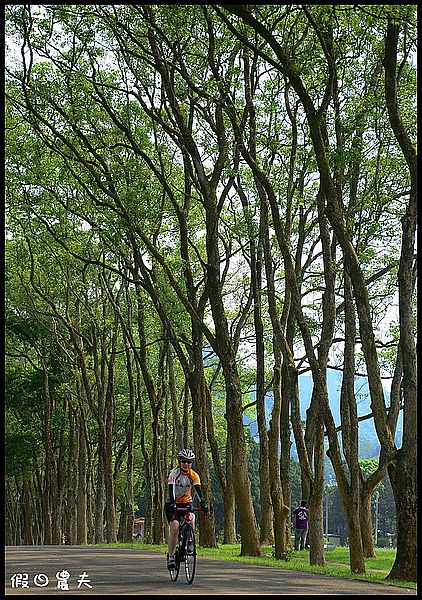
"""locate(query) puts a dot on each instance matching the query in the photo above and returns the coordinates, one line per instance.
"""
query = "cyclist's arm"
(172, 499)
(199, 492)
(202, 501)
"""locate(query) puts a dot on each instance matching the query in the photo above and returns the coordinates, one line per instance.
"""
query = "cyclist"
(181, 482)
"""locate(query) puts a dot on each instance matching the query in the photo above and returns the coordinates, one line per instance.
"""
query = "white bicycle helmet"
(186, 454)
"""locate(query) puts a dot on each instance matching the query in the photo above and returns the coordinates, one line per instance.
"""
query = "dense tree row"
(204, 202)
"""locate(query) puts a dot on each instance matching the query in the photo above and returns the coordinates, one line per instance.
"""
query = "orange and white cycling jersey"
(182, 484)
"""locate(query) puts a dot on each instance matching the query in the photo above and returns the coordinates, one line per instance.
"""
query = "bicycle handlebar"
(193, 509)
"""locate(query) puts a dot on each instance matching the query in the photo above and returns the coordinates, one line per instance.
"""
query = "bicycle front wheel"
(189, 546)
(174, 573)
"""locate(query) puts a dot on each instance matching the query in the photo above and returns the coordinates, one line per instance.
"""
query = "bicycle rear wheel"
(190, 557)
(174, 573)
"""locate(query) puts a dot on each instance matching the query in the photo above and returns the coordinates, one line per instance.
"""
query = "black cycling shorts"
(171, 515)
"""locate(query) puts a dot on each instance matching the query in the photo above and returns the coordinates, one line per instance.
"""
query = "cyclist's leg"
(173, 533)
(173, 530)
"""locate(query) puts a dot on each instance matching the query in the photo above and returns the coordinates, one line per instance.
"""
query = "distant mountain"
(369, 446)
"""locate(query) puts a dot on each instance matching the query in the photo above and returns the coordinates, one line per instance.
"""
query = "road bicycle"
(186, 546)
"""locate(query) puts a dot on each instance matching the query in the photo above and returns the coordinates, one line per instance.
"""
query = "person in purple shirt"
(301, 524)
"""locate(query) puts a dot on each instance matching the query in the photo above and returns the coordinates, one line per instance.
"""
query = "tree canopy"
(204, 202)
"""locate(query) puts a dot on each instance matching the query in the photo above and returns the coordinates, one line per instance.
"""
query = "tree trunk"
(72, 478)
(285, 439)
(27, 511)
(403, 477)
(357, 561)
(81, 529)
(177, 424)
(58, 493)
(366, 522)
(223, 481)
(109, 428)
(198, 391)
(100, 487)
(280, 508)
(148, 505)
(266, 526)
(350, 487)
(155, 400)
(250, 545)
(49, 460)
(146, 460)
(130, 435)
(108, 476)
(316, 511)
(158, 479)
(402, 471)
(229, 499)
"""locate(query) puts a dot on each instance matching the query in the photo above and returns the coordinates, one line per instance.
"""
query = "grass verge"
(337, 561)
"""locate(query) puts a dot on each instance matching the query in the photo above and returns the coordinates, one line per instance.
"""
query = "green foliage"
(24, 391)
(21, 447)
(368, 466)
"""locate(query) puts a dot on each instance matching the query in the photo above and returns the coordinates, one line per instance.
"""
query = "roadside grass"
(337, 561)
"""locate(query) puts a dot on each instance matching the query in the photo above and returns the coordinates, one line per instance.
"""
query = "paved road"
(105, 571)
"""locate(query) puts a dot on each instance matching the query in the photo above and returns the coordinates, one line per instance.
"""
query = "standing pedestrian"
(301, 525)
